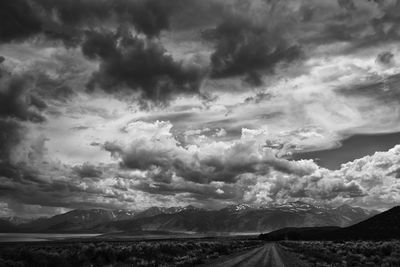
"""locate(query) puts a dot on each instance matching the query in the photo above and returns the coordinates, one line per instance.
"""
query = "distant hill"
(76, 220)
(234, 218)
(7, 227)
(383, 226)
(242, 218)
(15, 220)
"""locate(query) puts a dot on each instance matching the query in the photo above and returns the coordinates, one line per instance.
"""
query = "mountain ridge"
(233, 218)
(385, 225)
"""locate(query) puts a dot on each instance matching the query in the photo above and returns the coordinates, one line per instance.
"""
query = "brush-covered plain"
(186, 252)
(346, 253)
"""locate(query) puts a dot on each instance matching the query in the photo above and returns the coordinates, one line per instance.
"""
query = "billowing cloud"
(18, 105)
(155, 149)
(9, 138)
(17, 102)
(347, 4)
(245, 47)
(18, 20)
(87, 170)
(371, 181)
(198, 102)
(66, 19)
(385, 58)
(140, 65)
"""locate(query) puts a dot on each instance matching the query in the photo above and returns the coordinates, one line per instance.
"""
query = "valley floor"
(98, 253)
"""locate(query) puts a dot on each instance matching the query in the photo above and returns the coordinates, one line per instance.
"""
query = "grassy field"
(348, 253)
(182, 252)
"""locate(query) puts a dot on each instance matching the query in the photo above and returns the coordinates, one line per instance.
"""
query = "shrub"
(362, 253)
(132, 253)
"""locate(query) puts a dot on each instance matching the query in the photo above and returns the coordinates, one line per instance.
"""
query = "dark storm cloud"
(243, 47)
(141, 65)
(10, 136)
(87, 170)
(359, 23)
(347, 4)
(18, 20)
(17, 102)
(55, 89)
(253, 78)
(66, 19)
(20, 173)
(58, 194)
(27, 185)
(149, 17)
(385, 58)
(385, 90)
(387, 26)
(77, 12)
(194, 190)
(18, 105)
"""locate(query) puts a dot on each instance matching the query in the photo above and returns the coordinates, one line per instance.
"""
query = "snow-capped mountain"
(238, 208)
(15, 220)
(233, 218)
(245, 218)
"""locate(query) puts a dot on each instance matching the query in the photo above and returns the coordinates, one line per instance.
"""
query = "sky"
(129, 104)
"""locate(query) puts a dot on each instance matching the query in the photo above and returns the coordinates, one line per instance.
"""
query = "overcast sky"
(139, 103)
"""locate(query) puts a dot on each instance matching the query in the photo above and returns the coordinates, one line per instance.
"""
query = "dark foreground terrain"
(384, 226)
(218, 252)
(173, 252)
(346, 253)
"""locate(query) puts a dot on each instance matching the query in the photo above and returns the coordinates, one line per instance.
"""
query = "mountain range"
(233, 219)
(385, 225)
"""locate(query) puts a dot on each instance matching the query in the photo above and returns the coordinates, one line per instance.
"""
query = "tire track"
(269, 255)
(256, 260)
(240, 259)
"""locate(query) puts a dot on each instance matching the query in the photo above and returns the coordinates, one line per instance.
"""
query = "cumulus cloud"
(371, 181)
(316, 187)
(158, 150)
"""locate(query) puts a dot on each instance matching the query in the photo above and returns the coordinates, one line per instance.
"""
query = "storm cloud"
(161, 154)
(66, 19)
(136, 103)
(245, 47)
(141, 65)
(19, 20)
(16, 100)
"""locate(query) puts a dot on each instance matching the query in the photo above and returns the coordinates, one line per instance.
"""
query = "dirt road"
(269, 255)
